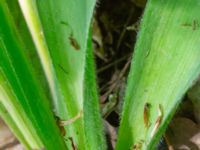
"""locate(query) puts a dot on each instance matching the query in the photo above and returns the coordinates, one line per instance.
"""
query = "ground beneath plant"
(115, 27)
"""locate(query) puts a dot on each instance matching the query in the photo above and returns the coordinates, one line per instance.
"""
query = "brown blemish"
(146, 114)
(74, 42)
(62, 129)
(72, 143)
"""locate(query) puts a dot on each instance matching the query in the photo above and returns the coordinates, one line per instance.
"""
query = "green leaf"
(15, 113)
(28, 95)
(60, 30)
(93, 126)
(164, 66)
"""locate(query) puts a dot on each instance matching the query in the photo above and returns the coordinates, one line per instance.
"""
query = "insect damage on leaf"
(62, 123)
(64, 23)
(62, 129)
(67, 122)
(186, 25)
(71, 38)
(158, 120)
(137, 146)
(73, 42)
(194, 25)
(72, 143)
(146, 114)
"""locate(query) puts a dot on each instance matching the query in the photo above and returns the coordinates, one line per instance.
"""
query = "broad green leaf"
(27, 93)
(16, 115)
(30, 50)
(164, 66)
(60, 30)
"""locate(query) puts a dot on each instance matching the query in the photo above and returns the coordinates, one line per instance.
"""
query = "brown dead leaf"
(7, 139)
(183, 134)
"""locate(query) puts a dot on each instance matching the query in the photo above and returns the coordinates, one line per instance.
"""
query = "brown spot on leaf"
(72, 143)
(62, 129)
(74, 42)
(146, 114)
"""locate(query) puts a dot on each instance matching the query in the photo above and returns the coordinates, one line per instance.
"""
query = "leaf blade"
(163, 68)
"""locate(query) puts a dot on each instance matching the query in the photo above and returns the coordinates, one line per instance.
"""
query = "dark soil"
(113, 45)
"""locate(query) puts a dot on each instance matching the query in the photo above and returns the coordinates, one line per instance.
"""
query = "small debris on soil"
(184, 134)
